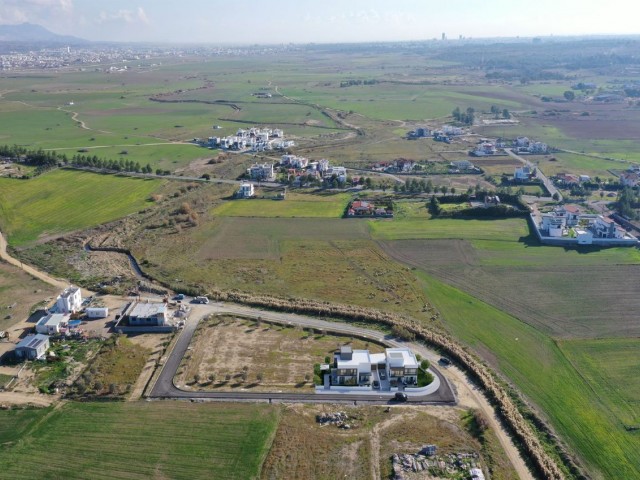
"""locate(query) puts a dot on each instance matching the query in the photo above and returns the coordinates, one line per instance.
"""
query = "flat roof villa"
(52, 324)
(395, 368)
(146, 314)
(33, 347)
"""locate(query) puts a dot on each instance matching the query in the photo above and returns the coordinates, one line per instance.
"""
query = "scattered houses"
(32, 347)
(69, 301)
(254, 139)
(419, 132)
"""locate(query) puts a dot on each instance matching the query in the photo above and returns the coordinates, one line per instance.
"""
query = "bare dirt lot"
(238, 351)
(302, 448)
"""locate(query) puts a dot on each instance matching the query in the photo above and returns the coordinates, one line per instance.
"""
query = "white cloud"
(35, 11)
(124, 15)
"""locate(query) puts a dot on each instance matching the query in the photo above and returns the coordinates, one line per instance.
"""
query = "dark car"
(376, 384)
(400, 397)
(383, 375)
(444, 361)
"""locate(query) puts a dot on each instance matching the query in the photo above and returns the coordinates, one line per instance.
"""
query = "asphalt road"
(165, 388)
(551, 188)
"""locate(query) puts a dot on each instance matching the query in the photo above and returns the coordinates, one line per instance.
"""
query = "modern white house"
(261, 171)
(69, 301)
(97, 312)
(146, 314)
(568, 225)
(391, 369)
(52, 323)
(33, 347)
(246, 190)
(523, 174)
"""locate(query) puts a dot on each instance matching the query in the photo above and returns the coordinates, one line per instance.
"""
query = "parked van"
(204, 300)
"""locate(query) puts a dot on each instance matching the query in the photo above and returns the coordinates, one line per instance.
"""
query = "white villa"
(52, 323)
(246, 190)
(394, 367)
(523, 174)
(261, 171)
(69, 301)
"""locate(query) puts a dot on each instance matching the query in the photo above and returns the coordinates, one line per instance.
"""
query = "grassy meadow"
(64, 200)
(138, 440)
(295, 206)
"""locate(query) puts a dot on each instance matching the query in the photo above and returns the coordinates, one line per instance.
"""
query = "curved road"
(165, 387)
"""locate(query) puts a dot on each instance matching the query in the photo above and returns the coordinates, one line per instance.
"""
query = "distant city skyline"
(285, 21)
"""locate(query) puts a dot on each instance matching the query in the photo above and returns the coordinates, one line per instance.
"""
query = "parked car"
(180, 296)
(400, 397)
(376, 385)
(444, 361)
(383, 375)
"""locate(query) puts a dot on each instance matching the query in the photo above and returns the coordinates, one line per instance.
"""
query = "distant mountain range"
(30, 33)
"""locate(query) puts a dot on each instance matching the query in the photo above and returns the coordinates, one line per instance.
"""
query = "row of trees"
(466, 117)
(50, 159)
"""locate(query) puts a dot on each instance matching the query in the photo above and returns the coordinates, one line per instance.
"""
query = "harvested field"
(564, 300)
(282, 356)
(174, 440)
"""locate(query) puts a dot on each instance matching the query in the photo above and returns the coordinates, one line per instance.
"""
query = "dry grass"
(283, 356)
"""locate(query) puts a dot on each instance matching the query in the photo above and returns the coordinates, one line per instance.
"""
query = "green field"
(541, 371)
(295, 205)
(65, 200)
(610, 367)
(415, 228)
(138, 440)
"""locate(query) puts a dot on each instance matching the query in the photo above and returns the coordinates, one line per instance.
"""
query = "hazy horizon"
(245, 22)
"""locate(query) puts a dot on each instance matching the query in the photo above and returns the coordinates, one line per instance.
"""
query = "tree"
(212, 378)
(197, 378)
(556, 197)
(259, 376)
(506, 114)
(569, 95)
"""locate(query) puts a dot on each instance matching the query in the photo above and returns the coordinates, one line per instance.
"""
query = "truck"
(204, 300)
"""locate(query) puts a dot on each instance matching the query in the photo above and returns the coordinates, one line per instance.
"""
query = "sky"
(321, 21)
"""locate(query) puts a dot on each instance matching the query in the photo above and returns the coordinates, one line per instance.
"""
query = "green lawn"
(418, 228)
(296, 205)
(543, 373)
(174, 440)
(66, 200)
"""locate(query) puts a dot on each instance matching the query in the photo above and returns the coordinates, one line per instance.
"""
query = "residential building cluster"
(395, 367)
(569, 222)
(630, 178)
(399, 165)
(524, 145)
(254, 139)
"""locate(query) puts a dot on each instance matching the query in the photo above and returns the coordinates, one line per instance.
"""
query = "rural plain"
(558, 325)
